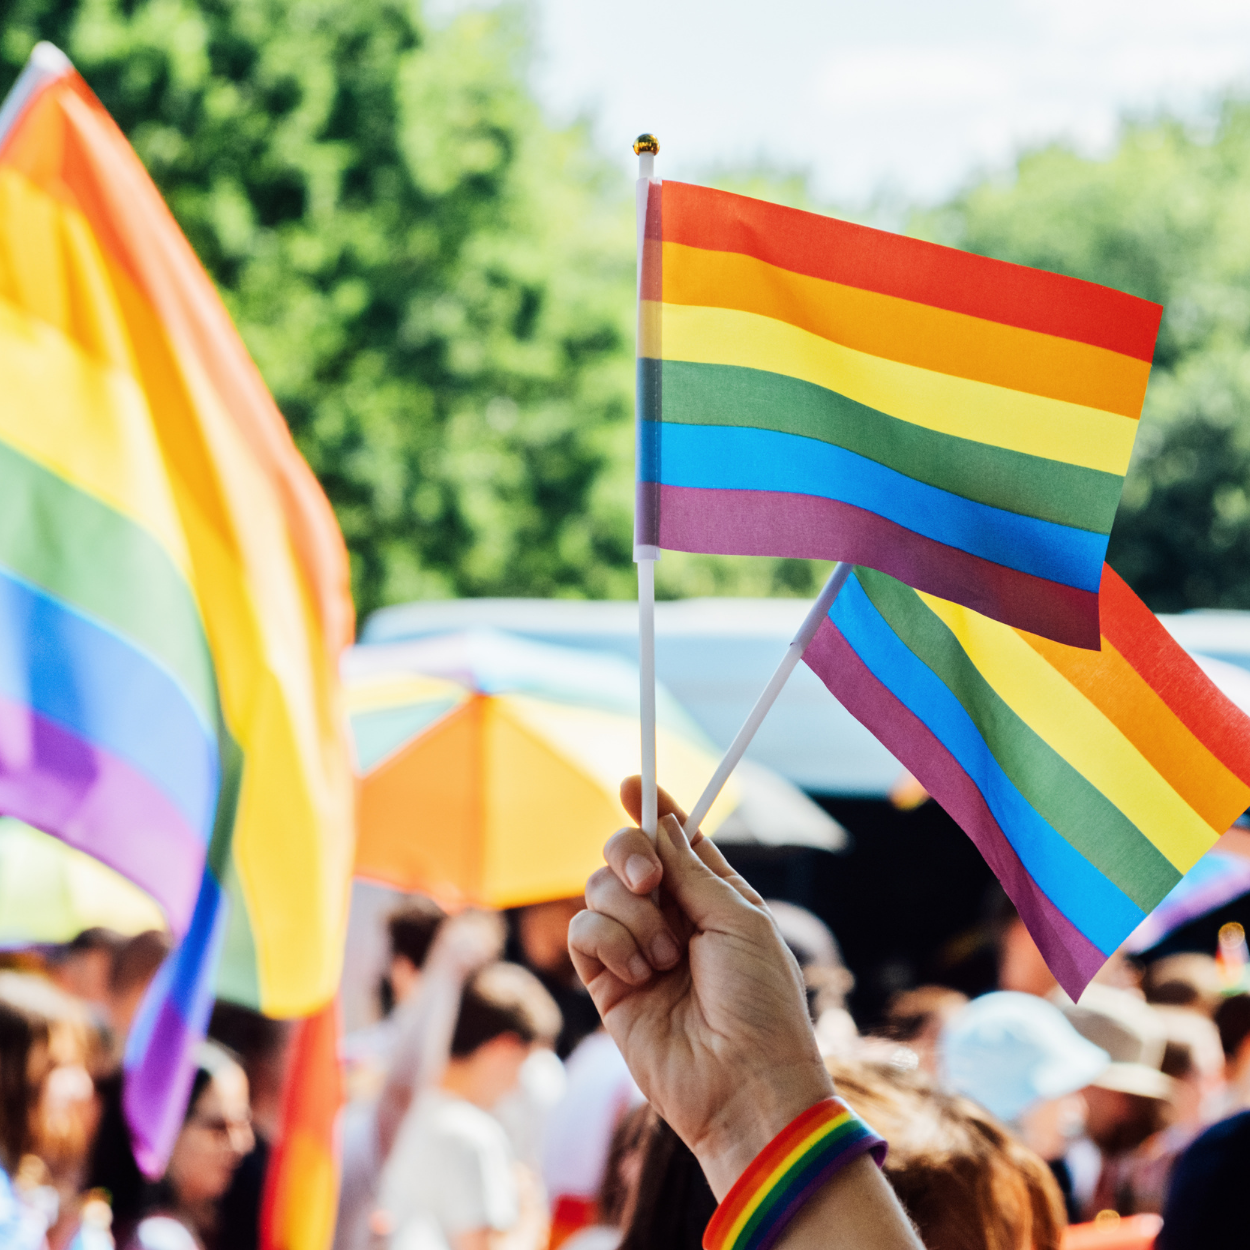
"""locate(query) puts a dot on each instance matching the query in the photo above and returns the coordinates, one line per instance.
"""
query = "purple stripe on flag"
(752, 523)
(1070, 954)
(171, 1021)
(88, 797)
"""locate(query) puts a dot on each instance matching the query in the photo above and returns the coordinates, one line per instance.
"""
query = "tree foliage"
(1166, 217)
(436, 285)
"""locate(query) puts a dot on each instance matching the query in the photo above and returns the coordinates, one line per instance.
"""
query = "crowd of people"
(594, 1073)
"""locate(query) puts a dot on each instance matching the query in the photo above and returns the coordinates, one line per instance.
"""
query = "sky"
(894, 99)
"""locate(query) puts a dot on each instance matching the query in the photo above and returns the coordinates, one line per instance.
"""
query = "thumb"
(709, 901)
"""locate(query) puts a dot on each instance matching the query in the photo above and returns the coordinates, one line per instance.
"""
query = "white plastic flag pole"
(807, 631)
(645, 555)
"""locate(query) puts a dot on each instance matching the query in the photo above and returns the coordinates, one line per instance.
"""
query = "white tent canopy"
(716, 654)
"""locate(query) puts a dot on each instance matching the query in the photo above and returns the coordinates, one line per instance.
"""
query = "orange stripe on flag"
(302, 1186)
(908, 331)
(1126, 699)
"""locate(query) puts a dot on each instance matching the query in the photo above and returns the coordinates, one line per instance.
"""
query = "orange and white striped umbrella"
(490, 764)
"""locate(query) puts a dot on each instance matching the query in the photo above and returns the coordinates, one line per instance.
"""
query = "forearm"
(855, 1210)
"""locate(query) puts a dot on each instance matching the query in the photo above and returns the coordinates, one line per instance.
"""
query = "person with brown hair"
(916, 1017)
(135, 963)
(452, 1171)
(1126, 1104)
(964, 1180)
(83, 966)
(183, 1210)
(48, 1111)
(1232, 1019)
(673, 1202)
(1190, 979)
(411, 928)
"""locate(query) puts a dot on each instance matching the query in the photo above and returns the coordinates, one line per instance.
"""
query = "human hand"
(700, 993)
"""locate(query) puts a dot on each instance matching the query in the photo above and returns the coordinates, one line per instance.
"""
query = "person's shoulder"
(1205, 1207)
(459, 1119)
(1230, 1135)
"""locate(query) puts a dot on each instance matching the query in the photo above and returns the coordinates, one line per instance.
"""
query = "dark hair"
(21, 1031)
(911, 1012)
(112, 1165)
(412, 927)
(504, 998)
(629, 1135)
(674, 1200)
(202, 1079)
(1232, 1018)
(112, 1162)
(1190, 979)
(135, 962)
(1178, 1059)
(97, 938)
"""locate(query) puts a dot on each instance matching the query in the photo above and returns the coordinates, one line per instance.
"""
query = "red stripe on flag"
(1130, 627)
(301, 1187)
(942, 277)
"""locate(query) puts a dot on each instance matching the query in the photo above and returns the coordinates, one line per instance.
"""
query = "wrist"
(753, 1116)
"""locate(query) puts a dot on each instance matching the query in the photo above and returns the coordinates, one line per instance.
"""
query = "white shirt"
(523, 1112)
(452, 1165)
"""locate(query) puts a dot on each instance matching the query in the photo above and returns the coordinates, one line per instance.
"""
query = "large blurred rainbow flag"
(817, 389)
(173, 593)
(301, 1192)
(1091, 781)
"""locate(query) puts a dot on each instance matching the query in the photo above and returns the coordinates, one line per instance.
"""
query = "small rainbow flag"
(302, 1183)
(817, 389)
(173, 593)
(1091, 781)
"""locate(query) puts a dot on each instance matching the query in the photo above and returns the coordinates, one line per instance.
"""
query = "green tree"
(436, 285)
(1166, 217)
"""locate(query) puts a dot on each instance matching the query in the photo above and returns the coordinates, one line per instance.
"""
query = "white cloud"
(903, 92)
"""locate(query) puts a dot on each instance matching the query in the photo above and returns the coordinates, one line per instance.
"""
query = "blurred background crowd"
(486, 1107)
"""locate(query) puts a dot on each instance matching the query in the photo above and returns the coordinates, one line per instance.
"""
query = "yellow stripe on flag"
(1015, 420)
(1078, 732)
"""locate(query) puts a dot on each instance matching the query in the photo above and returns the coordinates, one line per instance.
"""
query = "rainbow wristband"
(787, 1172)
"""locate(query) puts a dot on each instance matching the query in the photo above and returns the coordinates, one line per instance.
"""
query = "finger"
(711, 855)
(666, 805)
(598, 942)
(631, 799)
(633, 857)
(710, 901)
(607, 895)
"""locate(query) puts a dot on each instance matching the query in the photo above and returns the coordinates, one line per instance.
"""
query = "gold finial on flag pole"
(646, 143)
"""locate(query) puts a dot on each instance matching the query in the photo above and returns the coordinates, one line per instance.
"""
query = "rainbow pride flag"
(1091, 781)
(302, 1182)
(817, 389)
(173, 593)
